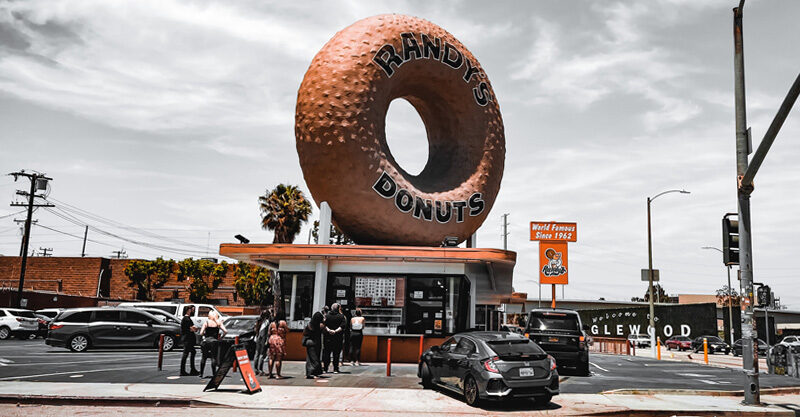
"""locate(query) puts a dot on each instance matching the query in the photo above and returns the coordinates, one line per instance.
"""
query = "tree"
(205, 277)
(722, 296)
(337, 237)
(661, 295)
(253, 283)
(148, 276)
(284, 210)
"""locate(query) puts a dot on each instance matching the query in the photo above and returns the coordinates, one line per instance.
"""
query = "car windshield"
(515, 347)
(714, 339)
(28, 314)
(240, 324)
(553, 321)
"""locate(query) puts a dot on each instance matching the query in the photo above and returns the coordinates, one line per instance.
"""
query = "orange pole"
(161, 351)
(658, 343)
(553, 304)
(420, 346)
(235, 342)
(389, 357)
(705, 350)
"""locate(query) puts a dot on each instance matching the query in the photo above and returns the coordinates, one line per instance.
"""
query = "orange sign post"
(553, 264)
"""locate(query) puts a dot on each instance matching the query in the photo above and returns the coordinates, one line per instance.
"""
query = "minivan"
(100, 327)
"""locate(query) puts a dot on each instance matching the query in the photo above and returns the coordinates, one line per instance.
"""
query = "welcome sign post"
(553, 265)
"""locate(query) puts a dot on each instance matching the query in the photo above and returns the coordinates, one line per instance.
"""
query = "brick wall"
(80, 276)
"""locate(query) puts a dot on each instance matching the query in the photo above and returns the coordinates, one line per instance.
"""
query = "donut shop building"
(403, 292)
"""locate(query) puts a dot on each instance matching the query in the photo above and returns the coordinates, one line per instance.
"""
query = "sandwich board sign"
(239, 354)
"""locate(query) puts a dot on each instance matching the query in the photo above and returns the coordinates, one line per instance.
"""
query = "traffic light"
(730, 239)
(764, 296)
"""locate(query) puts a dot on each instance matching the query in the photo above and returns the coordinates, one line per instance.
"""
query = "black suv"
(560, 333)
(82, 328)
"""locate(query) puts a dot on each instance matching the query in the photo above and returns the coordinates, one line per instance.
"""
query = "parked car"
(177, 309)
(790, 341)
(715, 344)
(512, 328)
(83, 328)
(17, 322)
(490, 365)
(638, 340)
(763, 347)
(51, 313)
(678, 342)
(560, 334)
(242, 327)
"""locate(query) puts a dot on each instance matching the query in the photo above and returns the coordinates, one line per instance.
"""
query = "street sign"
(554, 231)
(646, 275)
(553, 267)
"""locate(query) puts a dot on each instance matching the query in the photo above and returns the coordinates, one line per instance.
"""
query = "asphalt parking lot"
(32, 360)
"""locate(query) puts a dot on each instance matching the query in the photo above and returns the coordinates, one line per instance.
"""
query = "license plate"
(553, 339)
(526, 372)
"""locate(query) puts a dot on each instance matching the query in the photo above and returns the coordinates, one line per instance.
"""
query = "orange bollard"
(389, 357)
(235, 342)
(705, 350)
(420, 346)
(658, 343)
(160, 351)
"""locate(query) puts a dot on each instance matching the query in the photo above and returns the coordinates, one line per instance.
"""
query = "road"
(32, 360)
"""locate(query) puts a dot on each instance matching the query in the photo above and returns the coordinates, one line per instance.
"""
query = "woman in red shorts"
(278, 330)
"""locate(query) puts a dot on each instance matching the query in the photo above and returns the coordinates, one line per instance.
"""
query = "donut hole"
(406, 137)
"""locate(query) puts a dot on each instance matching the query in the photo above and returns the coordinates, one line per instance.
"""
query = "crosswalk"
(5, 362)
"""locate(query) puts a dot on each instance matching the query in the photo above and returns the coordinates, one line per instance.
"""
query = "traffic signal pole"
(750, 362)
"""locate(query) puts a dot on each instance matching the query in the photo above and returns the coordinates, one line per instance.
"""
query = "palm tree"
(284, 210)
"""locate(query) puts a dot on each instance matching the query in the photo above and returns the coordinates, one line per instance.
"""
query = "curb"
(708, 393)
(107, 401)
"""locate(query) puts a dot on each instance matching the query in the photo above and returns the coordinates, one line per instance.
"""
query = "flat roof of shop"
(274, 253)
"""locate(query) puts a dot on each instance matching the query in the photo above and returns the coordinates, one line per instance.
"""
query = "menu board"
(380, 291)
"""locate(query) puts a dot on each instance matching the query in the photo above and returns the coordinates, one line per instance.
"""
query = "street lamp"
(650, 267)
(730, 302)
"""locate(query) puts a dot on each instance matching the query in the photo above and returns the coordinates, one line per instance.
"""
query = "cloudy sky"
(168, 118)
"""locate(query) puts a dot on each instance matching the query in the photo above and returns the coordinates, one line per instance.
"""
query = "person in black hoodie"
(312, 341)
(335, 324)
(189, 340)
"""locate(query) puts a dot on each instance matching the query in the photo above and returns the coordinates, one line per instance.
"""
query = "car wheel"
(583, 369)
(425, 375)
(78, 343)
(471, 391)
(5, 333)
(668, 347)
(169, 343)
(543, 400)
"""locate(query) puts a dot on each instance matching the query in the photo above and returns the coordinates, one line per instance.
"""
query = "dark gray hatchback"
(490, 365)
(83, 328)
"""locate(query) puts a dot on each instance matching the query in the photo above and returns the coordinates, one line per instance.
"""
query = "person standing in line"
(325, 311)
(278, 330)
(189, 341)
(346, 337)
(261, 330)
(212, 331)
(312, 341)
(335, 324)
(356, 337)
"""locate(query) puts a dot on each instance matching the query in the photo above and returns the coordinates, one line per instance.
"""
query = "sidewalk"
(380, 400)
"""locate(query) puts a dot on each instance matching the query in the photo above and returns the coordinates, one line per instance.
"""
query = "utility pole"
(85, 233)
(46, 251)
(120, 253)
(21, 223)
(746, 171)
(38, 182)
(505, 231)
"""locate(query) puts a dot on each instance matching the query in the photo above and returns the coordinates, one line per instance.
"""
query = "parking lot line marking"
(76, 376)
(709, 382)
(599, 367)
(75, 372)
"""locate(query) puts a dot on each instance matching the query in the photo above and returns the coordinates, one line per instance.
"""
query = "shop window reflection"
(297, 293)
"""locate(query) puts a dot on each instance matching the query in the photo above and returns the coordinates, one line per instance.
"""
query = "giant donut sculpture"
(339, 127)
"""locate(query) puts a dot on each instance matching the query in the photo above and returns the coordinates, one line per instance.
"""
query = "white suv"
(791, 341)
(177, 309)
(638, 340)
(17, 322)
